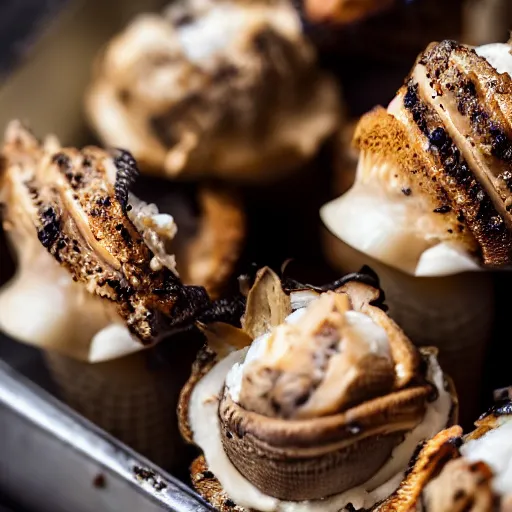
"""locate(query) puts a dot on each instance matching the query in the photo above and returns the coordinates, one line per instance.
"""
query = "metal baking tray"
(52, 459)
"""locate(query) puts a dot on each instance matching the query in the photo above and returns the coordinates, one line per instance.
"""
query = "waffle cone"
(133, 398)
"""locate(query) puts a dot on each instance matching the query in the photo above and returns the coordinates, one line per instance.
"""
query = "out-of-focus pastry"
(485, 21)
(316, 403)
(96, 282)
(454, 473)
(343, 11)
(432, 198)
(214, 88)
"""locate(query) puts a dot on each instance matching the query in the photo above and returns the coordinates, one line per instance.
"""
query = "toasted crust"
(77, 204)
(384, 136)
(448, 132)
(431, 458)
(204, 362)
(209, 487)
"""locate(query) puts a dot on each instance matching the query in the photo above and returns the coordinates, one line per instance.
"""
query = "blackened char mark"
(127, 173)
(189, 303)
(229, 311)
(501, 408)
(50, 231)
(62, 161)
(442, 145)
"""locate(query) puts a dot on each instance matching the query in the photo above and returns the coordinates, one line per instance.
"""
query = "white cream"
(498, 56)
(495, 449)
(157, 229)
(359, 324)
(257, 349)
(203, 416)
(222, 23)
(212, 33)
(43, 306)
(401, 231)
(365, 328)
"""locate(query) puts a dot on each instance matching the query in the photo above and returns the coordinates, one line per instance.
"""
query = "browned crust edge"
(209, 487)
(432, 457)
(220, 239)
(204, 362)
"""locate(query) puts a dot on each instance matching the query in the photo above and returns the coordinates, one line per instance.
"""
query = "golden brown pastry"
(91, 253)
(315, 404)
(429, 209)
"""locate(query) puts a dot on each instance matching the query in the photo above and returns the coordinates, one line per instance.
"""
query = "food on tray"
(85, 244)
(434, 166)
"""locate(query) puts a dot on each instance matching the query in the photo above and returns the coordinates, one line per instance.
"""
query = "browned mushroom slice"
(461, 487)
(429, 461)
(454, 473)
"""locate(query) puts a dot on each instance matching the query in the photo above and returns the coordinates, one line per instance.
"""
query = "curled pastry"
(432, 193)
(316, 403)
(454, 472)
(227, 89)
(94, 262)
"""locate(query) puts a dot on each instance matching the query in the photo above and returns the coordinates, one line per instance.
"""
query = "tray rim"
(47, 413)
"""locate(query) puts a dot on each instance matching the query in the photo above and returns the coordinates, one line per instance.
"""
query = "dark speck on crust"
(50, 231)
(62, 161)
(443, 209)
(99, 481)
(459, 494)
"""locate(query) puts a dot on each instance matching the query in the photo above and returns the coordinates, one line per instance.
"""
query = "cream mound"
(210, 34)
(393, 227)
(360, 324)
(495, 449)
(204, 422)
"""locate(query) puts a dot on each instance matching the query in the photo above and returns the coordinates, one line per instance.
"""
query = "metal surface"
(53, 460)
